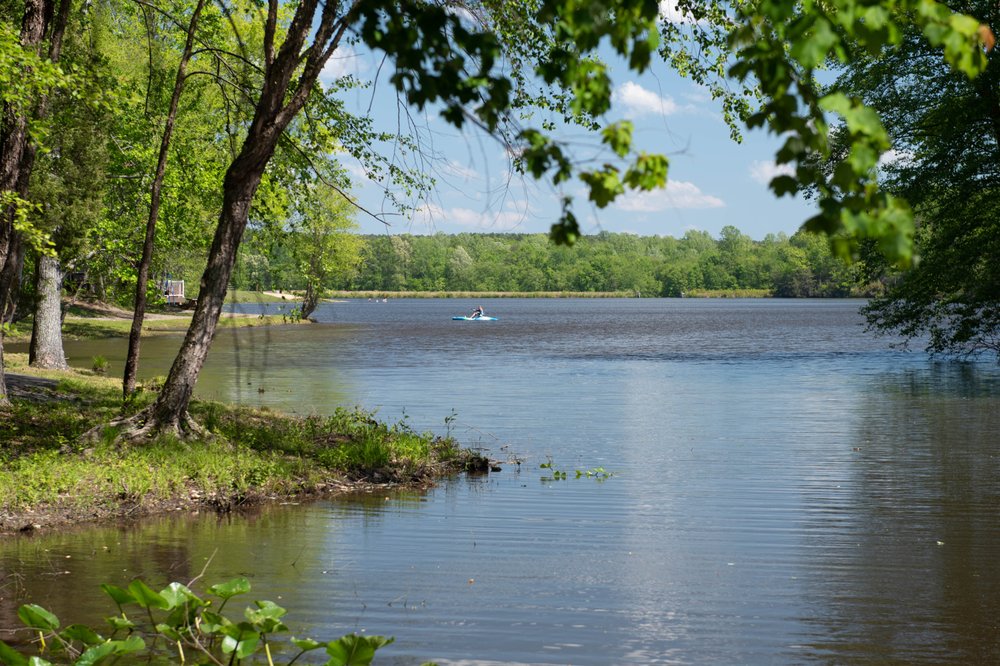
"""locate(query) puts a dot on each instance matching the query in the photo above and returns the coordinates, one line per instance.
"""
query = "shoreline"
(51, 480)
(100, 320)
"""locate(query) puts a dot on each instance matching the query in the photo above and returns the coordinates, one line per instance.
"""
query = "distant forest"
(797, 266)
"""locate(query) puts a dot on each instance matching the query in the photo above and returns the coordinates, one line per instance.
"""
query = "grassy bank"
(49, 477)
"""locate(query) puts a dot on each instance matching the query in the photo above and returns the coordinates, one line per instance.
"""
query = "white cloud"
(465, 15)
(455, 168)
(764, 171)
(487, 220)
(344, 60)
(482, 220)
(678, 194)
(355, 169)
(638, 101)
(893, 157)
(671, 13)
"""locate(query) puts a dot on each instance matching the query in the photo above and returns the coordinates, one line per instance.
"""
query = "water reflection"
(905, 562)
(785, 490)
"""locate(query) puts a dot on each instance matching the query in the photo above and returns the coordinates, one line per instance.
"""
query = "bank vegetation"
(60, 463)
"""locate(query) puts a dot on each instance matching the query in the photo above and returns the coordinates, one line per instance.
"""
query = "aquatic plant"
(99, 364)
(177, 621)
(596, 473)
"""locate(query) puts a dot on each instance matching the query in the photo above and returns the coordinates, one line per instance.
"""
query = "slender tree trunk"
(142, 283)
(46, 350)
(274, 111)
(169, 412)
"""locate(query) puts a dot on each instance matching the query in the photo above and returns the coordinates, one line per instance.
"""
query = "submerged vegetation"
(60, 463)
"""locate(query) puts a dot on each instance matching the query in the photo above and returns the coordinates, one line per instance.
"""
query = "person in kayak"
(477, 313)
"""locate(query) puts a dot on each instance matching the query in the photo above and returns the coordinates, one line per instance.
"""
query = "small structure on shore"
(173, 291)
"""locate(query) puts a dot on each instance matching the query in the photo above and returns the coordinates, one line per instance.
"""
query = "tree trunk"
(46, 350)
(309, 301)
(142, 283)
(15, 165)
(275, 109)
(10, 279)
(169, 412)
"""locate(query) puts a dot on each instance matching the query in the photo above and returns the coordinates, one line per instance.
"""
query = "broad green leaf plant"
(176, 621)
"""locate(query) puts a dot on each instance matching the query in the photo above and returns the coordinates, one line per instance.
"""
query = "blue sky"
(713, 181)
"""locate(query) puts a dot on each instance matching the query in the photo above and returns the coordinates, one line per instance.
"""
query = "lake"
(768, 484)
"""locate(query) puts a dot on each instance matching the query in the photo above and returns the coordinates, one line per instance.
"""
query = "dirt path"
(113, 312)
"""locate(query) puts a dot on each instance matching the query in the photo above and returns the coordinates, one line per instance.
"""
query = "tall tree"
(432, 48)
(155, 193)
(321, 244)
(945, 133)
(780, 45)
(24, 58)
(66, 181)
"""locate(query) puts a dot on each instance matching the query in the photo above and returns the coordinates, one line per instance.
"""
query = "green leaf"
(168, 631)
(145, 596)
(230, 588)
(98, 652)
(11, 657)
(95, 654)
(242, 646)
(79, 632)
(118, 595)
(648, 173)
(266, 617)
(120, 623)
(354, 650)
(306, 644)
(36, 617)
(813, 48)
(618, 137)
(177, 595)
(566, 230)
(605, 185)
(785, 184)
(214, 622)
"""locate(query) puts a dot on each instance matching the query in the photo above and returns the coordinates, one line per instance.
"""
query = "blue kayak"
(483, 318)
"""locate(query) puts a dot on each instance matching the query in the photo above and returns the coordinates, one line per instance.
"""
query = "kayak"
(483, 318)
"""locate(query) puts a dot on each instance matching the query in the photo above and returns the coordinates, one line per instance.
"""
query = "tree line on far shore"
(800, 265)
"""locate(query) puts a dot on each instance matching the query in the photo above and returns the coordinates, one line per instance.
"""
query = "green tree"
(321, 244)
(945, 131)
(69, 180)
(781, 45)
(29, 71)
(444, 59)
(459, 271)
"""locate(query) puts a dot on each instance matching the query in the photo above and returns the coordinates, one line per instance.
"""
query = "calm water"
(785, 489)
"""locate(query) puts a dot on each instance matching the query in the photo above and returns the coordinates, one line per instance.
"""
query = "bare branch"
(290, 142)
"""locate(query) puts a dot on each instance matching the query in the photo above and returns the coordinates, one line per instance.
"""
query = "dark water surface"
(785, 489)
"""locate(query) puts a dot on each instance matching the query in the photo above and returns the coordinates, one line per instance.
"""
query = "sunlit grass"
(253, 453)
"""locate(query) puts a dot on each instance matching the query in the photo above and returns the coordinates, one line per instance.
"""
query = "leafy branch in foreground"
(190, 626)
